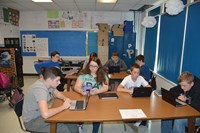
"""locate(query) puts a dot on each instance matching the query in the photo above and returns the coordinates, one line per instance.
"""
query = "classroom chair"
(18, 111)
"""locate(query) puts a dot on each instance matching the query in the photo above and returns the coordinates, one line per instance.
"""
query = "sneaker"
(137, 123)
(143, 123)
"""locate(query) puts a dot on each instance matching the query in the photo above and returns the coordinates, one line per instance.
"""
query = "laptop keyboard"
(79, 104)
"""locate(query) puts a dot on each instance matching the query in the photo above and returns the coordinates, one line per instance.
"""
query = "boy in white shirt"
(133, 80)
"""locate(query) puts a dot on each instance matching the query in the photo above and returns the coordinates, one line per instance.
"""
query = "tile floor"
(9, 122)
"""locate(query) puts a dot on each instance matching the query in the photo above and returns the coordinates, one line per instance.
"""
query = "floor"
(9, 122)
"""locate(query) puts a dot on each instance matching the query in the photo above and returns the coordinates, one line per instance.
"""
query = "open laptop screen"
(113, 69)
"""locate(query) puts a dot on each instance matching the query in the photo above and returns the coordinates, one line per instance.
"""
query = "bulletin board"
(67, 43)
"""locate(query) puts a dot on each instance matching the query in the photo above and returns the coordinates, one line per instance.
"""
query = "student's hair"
(115, 54)
(186, 76)
(140, 58)
(51, 72)
(93, 54)
(54, 53)
(100, 72)
(135, 66)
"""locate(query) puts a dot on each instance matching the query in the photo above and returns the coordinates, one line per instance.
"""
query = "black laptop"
(113, 69)
(170, 98)
(142, 92)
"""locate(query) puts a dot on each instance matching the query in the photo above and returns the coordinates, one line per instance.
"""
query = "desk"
(113, 76)
(101, 110)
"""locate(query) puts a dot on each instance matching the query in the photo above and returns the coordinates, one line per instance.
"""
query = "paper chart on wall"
(41, 47)
(28, 43)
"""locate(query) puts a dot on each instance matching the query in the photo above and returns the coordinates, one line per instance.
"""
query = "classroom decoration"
(174, 7)
(149, 22)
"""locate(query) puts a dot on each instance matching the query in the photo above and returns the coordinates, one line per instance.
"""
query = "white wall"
(8, 31)
(38, 20)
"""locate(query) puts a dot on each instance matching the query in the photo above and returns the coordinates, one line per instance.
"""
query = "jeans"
(95, 127)
(38, 125)
(179, 125)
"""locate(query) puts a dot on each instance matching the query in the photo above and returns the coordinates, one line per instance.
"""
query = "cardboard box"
(117, 30)
(102, 38)
(117, 26)
(103, 26)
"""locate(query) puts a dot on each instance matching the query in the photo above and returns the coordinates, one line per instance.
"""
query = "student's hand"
(84, 93)
(182, 98)
(67, 99)
(94, 91)
(66, 104)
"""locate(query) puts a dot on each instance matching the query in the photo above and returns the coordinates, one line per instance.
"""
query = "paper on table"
(132, 113)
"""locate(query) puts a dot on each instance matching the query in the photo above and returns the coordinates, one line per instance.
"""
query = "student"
(144, 69)
(188, 91)
(116, 61)
(132, 80)
(53, 62)
(93, 54)
(35, 107)
(94, 78)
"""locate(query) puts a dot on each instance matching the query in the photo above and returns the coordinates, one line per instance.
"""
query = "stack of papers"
(132, 113)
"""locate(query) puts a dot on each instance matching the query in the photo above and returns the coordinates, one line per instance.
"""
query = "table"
(101, 110)
(114, 76)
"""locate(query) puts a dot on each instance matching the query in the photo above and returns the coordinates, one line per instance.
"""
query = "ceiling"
(76, 5)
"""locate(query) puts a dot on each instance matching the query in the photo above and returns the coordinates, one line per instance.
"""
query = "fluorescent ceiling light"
(106, 1)
(42, 0)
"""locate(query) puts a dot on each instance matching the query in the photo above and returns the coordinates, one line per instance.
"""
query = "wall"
(38, 20)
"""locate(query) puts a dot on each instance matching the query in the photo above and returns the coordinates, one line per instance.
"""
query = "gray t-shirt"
(37, 92)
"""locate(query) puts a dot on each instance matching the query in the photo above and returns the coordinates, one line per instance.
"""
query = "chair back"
(18, 108)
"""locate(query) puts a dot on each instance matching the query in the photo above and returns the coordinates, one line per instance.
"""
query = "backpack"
(17, 96)
(4, 80)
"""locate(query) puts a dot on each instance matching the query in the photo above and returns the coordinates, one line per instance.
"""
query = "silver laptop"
(80, 104)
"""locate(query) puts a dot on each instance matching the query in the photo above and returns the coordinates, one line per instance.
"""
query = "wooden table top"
(108, 109)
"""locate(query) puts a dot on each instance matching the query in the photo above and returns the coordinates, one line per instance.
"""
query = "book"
(108, 96)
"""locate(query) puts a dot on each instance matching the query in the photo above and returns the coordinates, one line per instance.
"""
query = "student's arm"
(121, 88)
(104, 88)
(38, 66)
(78, 86)
(106, 64)
(59, 95)
(123, 65)
(46, 112)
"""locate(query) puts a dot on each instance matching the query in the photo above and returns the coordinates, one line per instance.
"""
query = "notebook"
(142, 92)
(113, 69)
(80, 104)
(170, 98)
(108, 96)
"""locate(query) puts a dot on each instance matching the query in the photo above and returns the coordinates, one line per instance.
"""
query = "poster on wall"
(5, 58)
(68, 19)
(28, 42)
(41, 47)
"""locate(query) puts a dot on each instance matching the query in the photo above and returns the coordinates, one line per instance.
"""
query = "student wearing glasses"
(92, 79)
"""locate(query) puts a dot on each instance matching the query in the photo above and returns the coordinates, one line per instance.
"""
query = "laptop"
(170, 98)
(142, 92)
(113, 69)
(80, 104)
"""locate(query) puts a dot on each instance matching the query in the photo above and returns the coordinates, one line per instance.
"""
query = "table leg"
(68, 84)
(53, 127)
(191, 125)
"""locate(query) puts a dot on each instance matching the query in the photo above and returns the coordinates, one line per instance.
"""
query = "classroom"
(166, 35)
